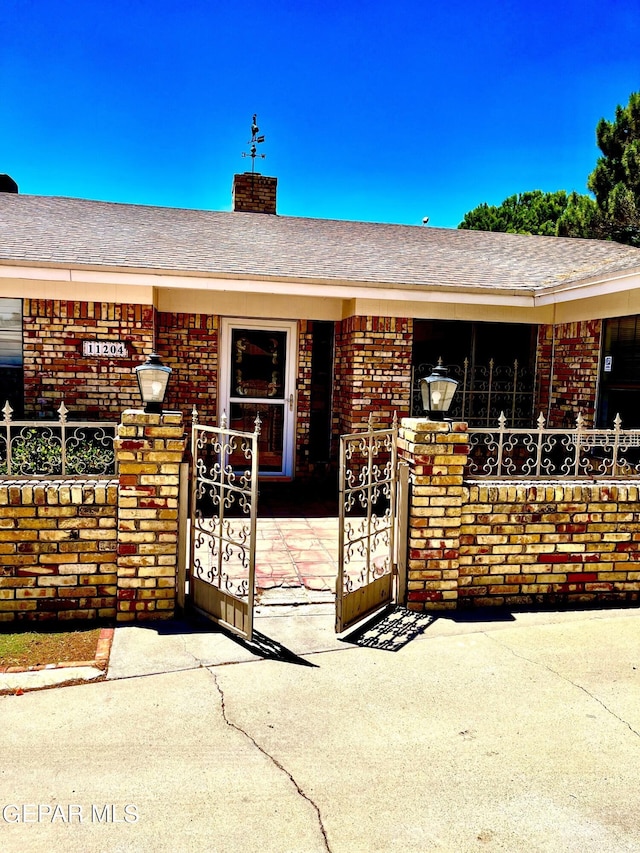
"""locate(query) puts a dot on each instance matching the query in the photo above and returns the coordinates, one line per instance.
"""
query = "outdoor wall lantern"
(437, 393)
(153, 378)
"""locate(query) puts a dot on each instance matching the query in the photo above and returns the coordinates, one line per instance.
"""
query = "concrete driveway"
(514, 734)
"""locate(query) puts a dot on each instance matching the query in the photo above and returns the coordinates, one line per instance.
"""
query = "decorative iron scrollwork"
(224, 507)
(46, 448)
(550, 452)
(367, 502)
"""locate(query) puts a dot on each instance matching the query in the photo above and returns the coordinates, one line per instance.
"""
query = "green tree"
(615, 181)
(581, 218)
(536, 212)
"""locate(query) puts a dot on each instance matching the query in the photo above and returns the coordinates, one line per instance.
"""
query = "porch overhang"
(596, 296)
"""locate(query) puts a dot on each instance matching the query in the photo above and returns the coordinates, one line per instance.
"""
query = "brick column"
(372, 371)
(436, 453)
(149, 448)
(568, 357)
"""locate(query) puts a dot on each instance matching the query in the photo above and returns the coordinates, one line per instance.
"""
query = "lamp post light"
(153, 378)
(437, 393)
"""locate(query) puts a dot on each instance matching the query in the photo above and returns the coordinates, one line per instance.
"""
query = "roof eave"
(67, 272)
(596, 285)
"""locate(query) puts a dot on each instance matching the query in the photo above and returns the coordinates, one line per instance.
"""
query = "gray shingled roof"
(78, 232)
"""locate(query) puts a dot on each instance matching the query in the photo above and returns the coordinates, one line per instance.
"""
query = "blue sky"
(376, 111)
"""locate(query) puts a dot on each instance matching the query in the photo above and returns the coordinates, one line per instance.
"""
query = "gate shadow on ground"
(260, 645)
(395, 626)
(390, 630)
(272, 650)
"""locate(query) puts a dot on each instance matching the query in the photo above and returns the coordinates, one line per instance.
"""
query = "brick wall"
(188, 343)
(55, 368)
(570, 367)
(303, 413)
(57, 549)
(372, 371)
(373, 364)
(513, 543)
(549, 543)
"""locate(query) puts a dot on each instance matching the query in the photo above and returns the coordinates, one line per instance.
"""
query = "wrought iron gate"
(366, 530)
(224, 498)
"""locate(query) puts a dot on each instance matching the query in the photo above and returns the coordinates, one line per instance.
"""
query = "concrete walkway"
(512, 734)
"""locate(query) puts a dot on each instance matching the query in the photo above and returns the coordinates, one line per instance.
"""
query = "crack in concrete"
(200, 665)
(190, 654)
(564, 678)
(272, 759)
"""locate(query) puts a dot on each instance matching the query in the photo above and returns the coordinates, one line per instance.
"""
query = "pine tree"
(581, 218)
(536, 212)
(615, 181)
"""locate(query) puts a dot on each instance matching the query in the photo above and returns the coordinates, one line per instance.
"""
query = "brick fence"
(97, 549)
(58, 549)
(513, 543)
(550, 543)
(109, 549)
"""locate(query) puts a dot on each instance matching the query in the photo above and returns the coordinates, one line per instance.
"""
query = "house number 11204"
(110, 349)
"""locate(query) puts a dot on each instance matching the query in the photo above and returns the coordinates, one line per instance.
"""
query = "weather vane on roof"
(255, 140)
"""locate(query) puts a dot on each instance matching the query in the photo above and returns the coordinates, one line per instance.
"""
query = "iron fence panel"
(543, 452)
(39, 448)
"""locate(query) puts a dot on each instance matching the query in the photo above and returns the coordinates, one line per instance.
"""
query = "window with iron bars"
(620, 372)
(11, 368)
(493, 362)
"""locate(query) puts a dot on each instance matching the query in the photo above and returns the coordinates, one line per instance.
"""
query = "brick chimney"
(254, 193)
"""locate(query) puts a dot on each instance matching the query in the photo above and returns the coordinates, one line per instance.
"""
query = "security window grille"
(493, 363)
(620, 372)
(11, 375)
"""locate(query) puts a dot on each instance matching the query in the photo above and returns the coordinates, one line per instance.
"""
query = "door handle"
(290, 402)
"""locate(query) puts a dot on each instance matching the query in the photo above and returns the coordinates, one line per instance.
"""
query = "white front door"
(257, 377)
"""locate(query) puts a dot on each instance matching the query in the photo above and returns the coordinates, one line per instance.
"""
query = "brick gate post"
(149, 449)
(436, 452)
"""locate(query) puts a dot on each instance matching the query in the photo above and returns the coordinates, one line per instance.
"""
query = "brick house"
(313, 323)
